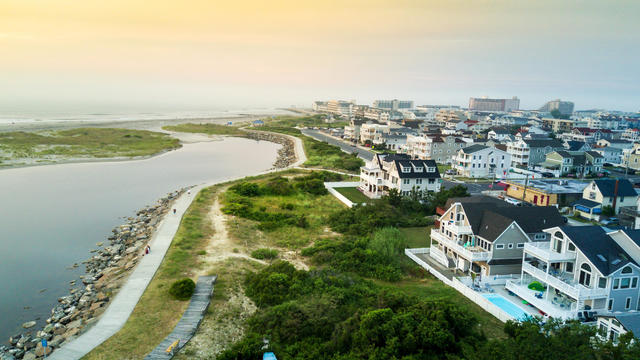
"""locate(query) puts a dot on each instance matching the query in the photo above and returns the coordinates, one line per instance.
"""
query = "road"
(367, 155)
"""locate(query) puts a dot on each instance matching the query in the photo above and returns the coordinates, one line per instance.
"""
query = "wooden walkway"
(188, 324)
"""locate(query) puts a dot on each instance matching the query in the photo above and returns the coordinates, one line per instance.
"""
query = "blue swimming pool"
(506, 305)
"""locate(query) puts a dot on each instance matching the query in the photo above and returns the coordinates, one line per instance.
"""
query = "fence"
(471, 294)
(331, 188)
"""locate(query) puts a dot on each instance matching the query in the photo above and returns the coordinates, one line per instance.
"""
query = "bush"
(279, 186)
(246, 189)
(264, 253)
(182, 289)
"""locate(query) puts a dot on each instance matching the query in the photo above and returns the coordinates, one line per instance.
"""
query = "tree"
(608, 210)
(389, 242)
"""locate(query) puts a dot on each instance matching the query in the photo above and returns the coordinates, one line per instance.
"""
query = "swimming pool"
(507, 306)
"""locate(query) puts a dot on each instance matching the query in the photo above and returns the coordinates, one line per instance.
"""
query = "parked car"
(607, 164)
(513, 201)
(450, 172)
(547, 174)
(610, 221)
(565, 219)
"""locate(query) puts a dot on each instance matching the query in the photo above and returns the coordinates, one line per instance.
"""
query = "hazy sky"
(209, 53)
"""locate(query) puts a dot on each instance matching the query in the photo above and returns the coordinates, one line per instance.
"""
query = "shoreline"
(77, 312)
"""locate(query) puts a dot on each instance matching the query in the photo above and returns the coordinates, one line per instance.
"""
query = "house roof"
(633, 235)
(630, 321)
(538, 143)
(505, 261)
(607, 187)
(473, 148)
(500, 131)
(502, 147)
(413, 164)
(601, 250)
(587, 203)
(489, 217)
(575, 145)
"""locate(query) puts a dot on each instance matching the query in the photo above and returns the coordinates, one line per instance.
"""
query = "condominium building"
(564, 107)
(519, 151)
(444, 116)
(341, 108)
(478, 161)
(394, 104)
(487, 104)
(433, 147)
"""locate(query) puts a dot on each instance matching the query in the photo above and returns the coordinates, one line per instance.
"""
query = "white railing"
(458, 227)
(576, 291)
(461, 250)
(543, 251)
(542, 304)
(438, 256)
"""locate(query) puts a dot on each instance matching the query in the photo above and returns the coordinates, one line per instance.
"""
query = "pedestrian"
(146, 250)
(188, 192)
(174, 211)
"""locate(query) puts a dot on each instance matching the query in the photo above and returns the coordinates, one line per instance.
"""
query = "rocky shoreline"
(89, 296)
(286, 154)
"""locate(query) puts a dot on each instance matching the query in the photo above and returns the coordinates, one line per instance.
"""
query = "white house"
(477, 161)
(398, 171)
(499, 134)
(616, 193)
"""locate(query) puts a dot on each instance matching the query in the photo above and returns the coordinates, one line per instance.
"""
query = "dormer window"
(419, 169)
(431, 169)
(406, 169)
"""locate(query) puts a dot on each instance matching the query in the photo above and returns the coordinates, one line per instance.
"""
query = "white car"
(513, 201)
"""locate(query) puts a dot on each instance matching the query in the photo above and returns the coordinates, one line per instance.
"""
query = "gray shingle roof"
(473, 148)
(538, 143)
(412, 174)
(596, 245)
(607, 187)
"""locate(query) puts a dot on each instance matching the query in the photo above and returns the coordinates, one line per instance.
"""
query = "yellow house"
(543, 192)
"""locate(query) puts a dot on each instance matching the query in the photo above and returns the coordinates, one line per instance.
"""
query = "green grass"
(157, 313)
(431, 288)
(417, 237)
(211, 129)
(353, 194)
(443, 167)
(85, 143)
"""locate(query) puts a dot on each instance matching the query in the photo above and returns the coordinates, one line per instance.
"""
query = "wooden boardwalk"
(188, 324)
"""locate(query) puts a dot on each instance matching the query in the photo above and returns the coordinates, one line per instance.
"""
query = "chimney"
(615, 195)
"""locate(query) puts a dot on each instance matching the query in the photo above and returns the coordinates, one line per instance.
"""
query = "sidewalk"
(122, 306)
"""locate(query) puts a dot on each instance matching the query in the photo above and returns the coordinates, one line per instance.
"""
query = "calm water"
(52, 216)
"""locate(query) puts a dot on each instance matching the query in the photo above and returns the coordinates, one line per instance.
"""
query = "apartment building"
(477, 161)
(445, 115)
(341, 107)
(519, 151)
(488, 104)
(564, 107)
(395, 104)
(562, 125)
(441, 149)
(485, 235)
(399, 172)
(580, 268)
(580, 163)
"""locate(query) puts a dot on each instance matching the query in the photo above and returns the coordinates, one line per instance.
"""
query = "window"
(616, 283)
(418, 181)
(602, 283)
(627, 303)
(406, 181)
(499, 246)
(520, 246)
(627, 270)
(510, 246)
(568, 267)
(585, 275)
(634, 282)
(625, 283)
(571, 247)
(603, 329)
(610, 305)
(540, 236)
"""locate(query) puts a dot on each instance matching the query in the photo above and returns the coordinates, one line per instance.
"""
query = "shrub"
(264, 253)
(246, 189)
(182, 289)
(279, 186)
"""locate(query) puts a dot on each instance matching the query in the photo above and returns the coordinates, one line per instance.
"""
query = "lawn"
(211, 129)
(417, 237)
(84, 143)
(157, 313)
(353, 194)
(442, 168)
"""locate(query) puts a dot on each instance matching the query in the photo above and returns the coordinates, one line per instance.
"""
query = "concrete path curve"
(125, 301)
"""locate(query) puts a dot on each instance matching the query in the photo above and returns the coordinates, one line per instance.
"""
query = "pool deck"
(499, 289)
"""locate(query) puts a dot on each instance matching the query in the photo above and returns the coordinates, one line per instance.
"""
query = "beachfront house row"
(477, 161)
(581, 268)
(399, 172)
(616, 193)
(485, 235)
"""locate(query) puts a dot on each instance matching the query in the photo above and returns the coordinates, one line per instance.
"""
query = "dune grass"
(417, 237)
(84, 143)
(211, 129)
(157, 312)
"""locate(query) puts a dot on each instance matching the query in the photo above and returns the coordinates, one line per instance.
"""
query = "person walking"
(174, 211)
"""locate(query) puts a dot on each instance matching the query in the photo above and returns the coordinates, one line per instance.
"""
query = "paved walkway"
(188, 324)
(125, 301)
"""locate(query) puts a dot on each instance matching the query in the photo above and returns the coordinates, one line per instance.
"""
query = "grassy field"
(443, 167)
(211, 129)
(353, 194)
(157, 312)
(417, 237)
(83, 143)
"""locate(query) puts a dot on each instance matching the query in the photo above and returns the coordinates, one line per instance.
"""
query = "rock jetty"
(286, 154)
(88, 296)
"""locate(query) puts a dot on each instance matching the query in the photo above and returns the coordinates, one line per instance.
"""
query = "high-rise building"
(564, 107)
(487, 104)
(394, 104)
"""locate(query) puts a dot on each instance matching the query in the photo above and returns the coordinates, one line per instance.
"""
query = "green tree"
(607, 210)
(389, 242)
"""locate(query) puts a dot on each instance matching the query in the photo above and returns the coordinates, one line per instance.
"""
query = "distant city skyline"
(249, 53)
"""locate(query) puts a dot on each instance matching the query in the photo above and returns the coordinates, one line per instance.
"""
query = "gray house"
(485, 235)
(581, 268)
(539, 148)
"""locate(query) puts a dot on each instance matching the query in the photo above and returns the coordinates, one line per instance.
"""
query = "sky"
(244, 53)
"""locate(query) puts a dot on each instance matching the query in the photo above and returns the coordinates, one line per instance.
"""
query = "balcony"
(542, 251)
(469, 253)
(551, 308)
(457, 227)
(565, 284)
